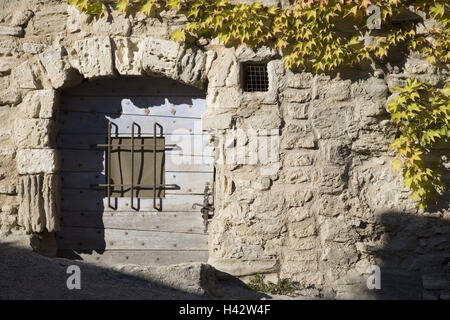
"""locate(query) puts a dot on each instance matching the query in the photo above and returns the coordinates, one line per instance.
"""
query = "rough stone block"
(296, 95)
(6, 64)
(306, 243)
(112, 25)
(39, 202)
(39, 104)
(11, 31)
(216, 122)
(376, 88)
(58, 69)
(338, 91)
(25, 77)
(8, 190)
(294, 159)
(34, 133)
(305, 228)
(296, 110)
(223, 72)
(33, 48)
(21, 17)
(34, 161)
(192, 66)
(298, 198)
(301, 80)
(159, 57)
(9, 47)
(332, 122)
(128, 55)
(267, 117)
(73, 20)
(94, 57)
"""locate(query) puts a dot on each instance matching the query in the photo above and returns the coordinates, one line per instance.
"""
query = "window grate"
(256, 78)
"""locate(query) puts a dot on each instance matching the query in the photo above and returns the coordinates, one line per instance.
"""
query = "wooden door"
(120, 231)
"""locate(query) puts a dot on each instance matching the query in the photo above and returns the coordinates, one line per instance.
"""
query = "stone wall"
(304, 186)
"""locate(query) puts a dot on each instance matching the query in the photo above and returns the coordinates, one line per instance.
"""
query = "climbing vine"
(422, 114)
(309, 36)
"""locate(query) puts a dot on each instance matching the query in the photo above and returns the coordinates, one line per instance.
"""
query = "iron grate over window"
(256, 78)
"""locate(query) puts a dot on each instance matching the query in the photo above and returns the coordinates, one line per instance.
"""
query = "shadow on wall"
(28, 275)
(415, 260)
(415, 257)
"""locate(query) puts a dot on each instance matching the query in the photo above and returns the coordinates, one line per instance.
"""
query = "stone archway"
(58, 67)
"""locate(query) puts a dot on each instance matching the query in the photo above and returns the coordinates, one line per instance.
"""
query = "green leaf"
(396, 165)
(178, 35)
(147, 7)
(173, 4)
(122, 5)
(95, 8)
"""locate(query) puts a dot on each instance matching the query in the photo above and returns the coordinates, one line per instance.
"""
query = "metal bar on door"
(154, 166)
(108, 162)
(155, 125)
(132, 163)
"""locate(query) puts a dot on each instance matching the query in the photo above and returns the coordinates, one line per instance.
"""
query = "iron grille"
(135, 185)
(256, 78)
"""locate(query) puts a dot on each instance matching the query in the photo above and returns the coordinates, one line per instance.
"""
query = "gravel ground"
(28, 275)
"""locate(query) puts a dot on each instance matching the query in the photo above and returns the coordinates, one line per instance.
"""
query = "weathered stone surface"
(338, 91)
(211, 122)
(34, 161)
(58, 69)
(25, 77)
(111, 25)
(8, 189)
(192, 65)
(73, 20)
(33, 48)
(297, 95)
(11, 31)
(39, 104)
(34, 133)
(128, 55)
(295, 110)
(21, 18)
(6, 64)
(39, 207)
(9, 47)
(160, 57)
(93, 57)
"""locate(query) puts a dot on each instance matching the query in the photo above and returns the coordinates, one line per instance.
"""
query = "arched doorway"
(135, 161)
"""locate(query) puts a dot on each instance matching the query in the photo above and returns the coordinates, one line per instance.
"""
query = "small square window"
(255, 77)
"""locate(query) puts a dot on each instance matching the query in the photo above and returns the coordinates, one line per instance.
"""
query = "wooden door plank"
(93, 161)
(140, 257)
(189, 182)
(189, 144)
(186, 144)
(92, 238)
(187, 222)
(82, 200)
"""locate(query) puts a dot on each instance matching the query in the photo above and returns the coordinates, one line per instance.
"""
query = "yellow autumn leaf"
(396, 165)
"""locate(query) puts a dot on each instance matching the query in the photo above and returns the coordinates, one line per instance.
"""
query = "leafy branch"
(422, 115)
